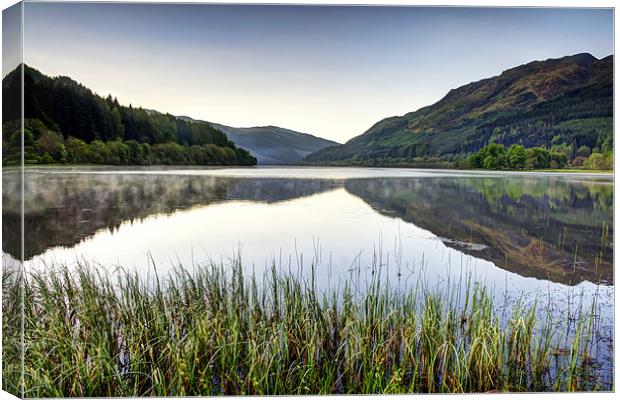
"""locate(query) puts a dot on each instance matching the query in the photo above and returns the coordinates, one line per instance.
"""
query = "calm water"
(556, 228)
(530, 236)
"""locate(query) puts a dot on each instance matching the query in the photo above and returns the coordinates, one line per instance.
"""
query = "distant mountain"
(566, 102)
(272, 145)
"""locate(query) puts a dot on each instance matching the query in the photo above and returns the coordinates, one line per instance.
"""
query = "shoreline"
(470, 172)
(307, 166)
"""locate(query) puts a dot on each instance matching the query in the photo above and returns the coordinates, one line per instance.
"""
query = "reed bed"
(11, 330)
(216, 331)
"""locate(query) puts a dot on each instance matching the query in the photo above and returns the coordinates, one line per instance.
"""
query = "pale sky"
(326, 70)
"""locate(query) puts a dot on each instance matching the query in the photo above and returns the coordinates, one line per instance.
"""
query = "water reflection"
(530, 238)
(549, 227)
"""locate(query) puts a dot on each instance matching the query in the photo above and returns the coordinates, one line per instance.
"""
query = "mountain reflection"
(543, 227)
(62, 210)
(539, 227)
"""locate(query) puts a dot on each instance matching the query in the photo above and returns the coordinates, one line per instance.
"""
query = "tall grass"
(215, 331)
(11, 330)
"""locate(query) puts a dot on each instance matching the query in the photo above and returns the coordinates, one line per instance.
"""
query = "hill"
(65, 122)
(565, 104)
(272, 145)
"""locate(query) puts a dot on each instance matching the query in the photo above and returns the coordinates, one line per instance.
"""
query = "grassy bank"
(216, 331)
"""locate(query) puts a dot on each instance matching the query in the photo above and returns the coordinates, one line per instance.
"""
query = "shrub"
(516, 156)
(599, 161)
(51, 143)
(77, 150)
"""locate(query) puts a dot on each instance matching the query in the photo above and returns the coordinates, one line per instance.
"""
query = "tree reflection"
(544, 227)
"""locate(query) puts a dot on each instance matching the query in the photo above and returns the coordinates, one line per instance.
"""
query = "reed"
(11, 331)
(217, 331)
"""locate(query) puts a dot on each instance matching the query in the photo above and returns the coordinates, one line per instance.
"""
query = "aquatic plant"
(214, 330)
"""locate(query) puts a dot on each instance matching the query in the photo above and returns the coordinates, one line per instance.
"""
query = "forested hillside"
(66, 122)
(564, 105)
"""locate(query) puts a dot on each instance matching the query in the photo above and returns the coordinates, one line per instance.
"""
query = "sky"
(11, 38)
(332, 71)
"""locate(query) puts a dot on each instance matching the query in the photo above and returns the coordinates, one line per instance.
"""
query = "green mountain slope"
(566, 102)
(68, 123)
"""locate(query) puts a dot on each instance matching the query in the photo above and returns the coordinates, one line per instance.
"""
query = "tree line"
(44, 146)
(496, 156)
(68, 123)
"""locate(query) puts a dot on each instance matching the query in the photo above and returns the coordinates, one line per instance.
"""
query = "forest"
(67, 123)
(516, 157)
